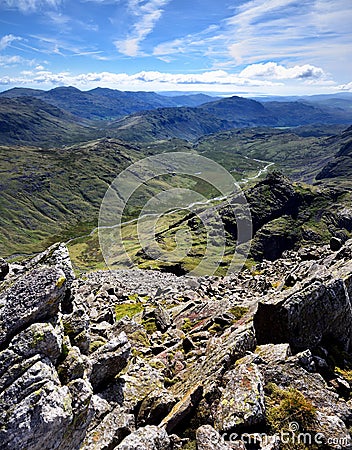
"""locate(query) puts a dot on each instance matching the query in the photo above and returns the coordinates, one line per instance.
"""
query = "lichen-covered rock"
(220, 354)
(332, 432)
(74, 366)
(241, 404)
(183, 408)
(109, 360)
(34, 297)
(40, 340)
(35, 409)
(111, 430)
(209, 439)
(82, 414)
(293, 373)
(155, 407)
(76, 319)
(147, 438)
(138, 382)
(162, 318)
(55, 256)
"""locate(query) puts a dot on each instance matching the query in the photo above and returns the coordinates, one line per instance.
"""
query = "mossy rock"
(289, 408)
(96, 344)
(127, 309)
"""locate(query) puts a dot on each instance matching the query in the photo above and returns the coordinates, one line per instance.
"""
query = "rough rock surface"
(241, 404)
(315, 308)
(146, 360)
(147, 438)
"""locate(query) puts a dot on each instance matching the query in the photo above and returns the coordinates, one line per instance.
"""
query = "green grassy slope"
(32, 121)
(52, 194)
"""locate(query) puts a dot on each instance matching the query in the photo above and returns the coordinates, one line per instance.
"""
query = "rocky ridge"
(147, 360)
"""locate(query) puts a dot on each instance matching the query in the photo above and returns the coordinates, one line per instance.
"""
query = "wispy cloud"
(288, 30)
(309, 32)
(7, 40)
(67, 24)
(198, 43)
(8, 61)
(60, 46)
(147, 14)
(29, 5)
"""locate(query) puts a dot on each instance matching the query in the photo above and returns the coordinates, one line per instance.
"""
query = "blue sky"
(251, 47)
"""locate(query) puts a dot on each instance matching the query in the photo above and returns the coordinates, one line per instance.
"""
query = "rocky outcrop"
(319, 307)
(147, 360)
(34, 297)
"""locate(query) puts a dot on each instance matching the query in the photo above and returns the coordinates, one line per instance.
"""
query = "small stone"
(335, 244)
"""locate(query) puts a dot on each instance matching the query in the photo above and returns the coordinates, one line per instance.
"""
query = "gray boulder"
(111, 430)
(241, 404)
(147, 438)
(33, 298)
(306, 313)
(155, 407)
(35, 409)
(55, 256)
(109, 360)
(209, 439)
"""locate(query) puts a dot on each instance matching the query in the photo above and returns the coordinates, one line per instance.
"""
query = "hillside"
(28, 120)
(285, 216)
(340, 167)
(103, 103)
(56, 192)
(304, 113)
(51, 194)
(224, 114)
(166, 123)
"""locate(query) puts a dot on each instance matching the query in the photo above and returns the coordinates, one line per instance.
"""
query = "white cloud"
(271, 70)
(208, 81)
(148, 13)
(5, 41)
(146, 79)
(29, 5)
(346, 87)
(7, 61)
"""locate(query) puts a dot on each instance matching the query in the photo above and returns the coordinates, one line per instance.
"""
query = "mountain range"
(61, 149)
(102, 103)
(65, 115)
